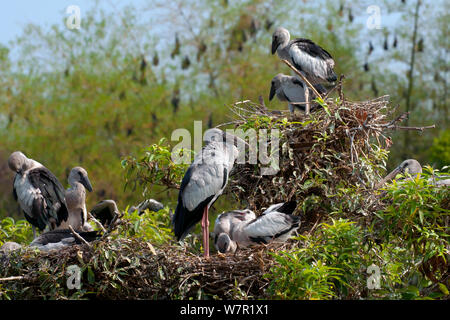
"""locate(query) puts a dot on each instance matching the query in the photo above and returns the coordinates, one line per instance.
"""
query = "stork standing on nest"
(243, 228)
(314, 62)
(292, 90)
(76, 200)
(38, 192)
(204, 182)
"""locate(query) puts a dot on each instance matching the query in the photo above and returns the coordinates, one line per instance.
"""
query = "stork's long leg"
(306, 90)
(205, 229)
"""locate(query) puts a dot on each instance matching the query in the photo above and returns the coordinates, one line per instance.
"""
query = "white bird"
(242, 228)
(38, 192)
(413, 168)
(291, 89)
(314, 62)
(76, 200)
(204, 182)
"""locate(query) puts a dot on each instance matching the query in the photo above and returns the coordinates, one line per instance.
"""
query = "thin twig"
(12, 278)
(98, 223)
(77, 235)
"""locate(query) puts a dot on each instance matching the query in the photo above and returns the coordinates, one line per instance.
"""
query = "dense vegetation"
(103, 98)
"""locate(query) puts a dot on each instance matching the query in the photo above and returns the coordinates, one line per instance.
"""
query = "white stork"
(38, 192)
(242, 227)
(290, 89)
(204, 182)
(76, 200)
(314, 62)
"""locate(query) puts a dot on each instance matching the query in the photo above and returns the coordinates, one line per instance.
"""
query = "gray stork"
(149, 204)
(106, 212)
(76, 200)
(314, 62)
(60, 239)
(290, 89)
(242, 227)
(38, 192)
(204, 182)
(413, 168)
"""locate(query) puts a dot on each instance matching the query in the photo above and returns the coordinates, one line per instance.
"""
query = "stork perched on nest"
(204, 182)
(291, 89)
(314, 62)
(38, 192)
(76, 200)
(243, 228)
(59, 239)
(413, 168)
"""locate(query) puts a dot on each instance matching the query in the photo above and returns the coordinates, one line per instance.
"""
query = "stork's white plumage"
(292, 90)
(242, 227)
(204, 182)
(38, 192)
(314, 62)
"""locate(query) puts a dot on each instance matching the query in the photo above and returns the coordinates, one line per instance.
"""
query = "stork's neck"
(76, 185)
(283, 48)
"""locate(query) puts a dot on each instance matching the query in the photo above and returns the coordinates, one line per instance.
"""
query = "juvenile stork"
(76, 200)
(38, 192)
(204, 182)
(59, 239)
(314, 62)
(292, 90)
(242, 227)
(413, 168)
(106, 212)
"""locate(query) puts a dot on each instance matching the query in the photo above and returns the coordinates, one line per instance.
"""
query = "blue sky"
(15, 15)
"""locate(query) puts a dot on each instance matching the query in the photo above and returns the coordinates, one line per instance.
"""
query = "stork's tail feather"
(183, 219)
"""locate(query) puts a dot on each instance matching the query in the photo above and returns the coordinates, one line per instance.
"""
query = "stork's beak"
(389, 177)
(272, 92)
(275, 45)
(86, 183)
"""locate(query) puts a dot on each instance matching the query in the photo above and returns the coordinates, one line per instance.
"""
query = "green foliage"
(150, 226)
(155, 167)
(440, 149)
(325, 266)
(16, 231)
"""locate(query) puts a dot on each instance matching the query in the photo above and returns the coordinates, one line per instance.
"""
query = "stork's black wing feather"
(311, 48)
(53, 195)
(288, 207)
(14, 193)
